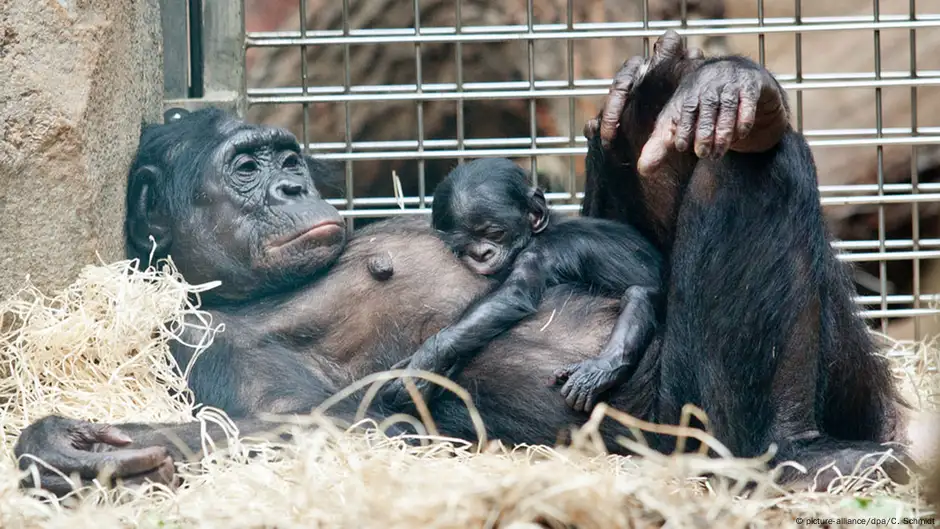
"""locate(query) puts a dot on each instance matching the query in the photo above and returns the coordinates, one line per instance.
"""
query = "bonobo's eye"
(495, 234)
(292, 161)
(246, 165)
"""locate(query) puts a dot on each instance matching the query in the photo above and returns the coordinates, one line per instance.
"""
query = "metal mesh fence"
(397, 93)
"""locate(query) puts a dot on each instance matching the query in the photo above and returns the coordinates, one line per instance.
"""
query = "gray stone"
(77, 78)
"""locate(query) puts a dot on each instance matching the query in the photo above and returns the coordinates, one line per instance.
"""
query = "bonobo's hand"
(395, 394)
(89, 450)
(586, 381)
(722, 105)
(669, 56)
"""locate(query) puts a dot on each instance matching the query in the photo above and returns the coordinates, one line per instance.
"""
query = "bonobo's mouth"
(491, 267)
(321, 230)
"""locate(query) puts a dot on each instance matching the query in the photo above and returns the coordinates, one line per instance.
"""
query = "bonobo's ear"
(538, 210)
(144, 218)
(174, 114)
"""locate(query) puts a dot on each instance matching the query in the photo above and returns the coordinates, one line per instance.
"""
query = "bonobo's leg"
(447, 352)
(585, 381)
(751, 274)
(613, 188)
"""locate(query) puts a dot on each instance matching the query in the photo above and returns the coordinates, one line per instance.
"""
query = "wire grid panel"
(398, 93)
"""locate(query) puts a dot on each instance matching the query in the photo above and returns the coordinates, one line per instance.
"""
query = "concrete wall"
(76, 80)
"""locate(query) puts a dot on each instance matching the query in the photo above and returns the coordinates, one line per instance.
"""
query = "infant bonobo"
(499, 226)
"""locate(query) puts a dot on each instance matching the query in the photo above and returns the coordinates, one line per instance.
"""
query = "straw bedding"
(99, 351)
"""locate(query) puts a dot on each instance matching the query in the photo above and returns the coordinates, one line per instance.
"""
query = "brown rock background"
(78, 77)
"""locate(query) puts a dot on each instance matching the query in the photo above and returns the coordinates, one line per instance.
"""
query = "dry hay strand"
(99, 351)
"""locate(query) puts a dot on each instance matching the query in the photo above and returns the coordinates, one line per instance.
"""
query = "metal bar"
(882, 231)
(533, 125)
(915, 175)
(820, 81)
(798, 52)
(303, 70)
(600, 31)
(572, 107)
(761, 45)
(347, 83)
(458, 51)
(419, 108)
(470, 94)
(546, 141)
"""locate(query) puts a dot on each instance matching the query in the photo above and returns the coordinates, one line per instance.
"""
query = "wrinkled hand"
(395, 393)
(584, 382)
(669, 55)
(90, 450)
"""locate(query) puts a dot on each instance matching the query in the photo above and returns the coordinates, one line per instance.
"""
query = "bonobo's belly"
(372, 323)
(368, 324)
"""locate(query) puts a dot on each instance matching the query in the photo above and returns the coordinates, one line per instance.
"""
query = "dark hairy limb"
(756, 294)
(586, 381)
(447, 352)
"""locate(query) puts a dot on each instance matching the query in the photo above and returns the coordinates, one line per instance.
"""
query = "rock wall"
(78, 78)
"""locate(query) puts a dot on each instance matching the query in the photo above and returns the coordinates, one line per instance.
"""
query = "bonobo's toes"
(668, 46)
(620, 89)
(591, 128)
(583, 384)
(823, 469)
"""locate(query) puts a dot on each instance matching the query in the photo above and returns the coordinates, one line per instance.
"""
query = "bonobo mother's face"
(251, 215)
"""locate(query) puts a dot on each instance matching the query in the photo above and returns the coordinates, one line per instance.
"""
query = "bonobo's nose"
(481, 255)
(287, 190)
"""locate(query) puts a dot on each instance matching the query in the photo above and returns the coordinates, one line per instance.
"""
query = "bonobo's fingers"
(708, 106)
(727, 121)
(617, 98)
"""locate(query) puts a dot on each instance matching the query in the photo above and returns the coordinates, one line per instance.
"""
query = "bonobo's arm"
(447, 352)
(585, 381)
(133, 453)
(136, 452)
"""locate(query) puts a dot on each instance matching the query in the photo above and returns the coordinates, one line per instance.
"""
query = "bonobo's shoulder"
(405, 225)
(399, 236)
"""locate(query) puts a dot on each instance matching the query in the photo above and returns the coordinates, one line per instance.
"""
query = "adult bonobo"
(760, 329)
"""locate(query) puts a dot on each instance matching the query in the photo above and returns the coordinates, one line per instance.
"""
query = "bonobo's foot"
(584, 382)
(669, 51)
(91, 451)
(827, 459)
(715, 110)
